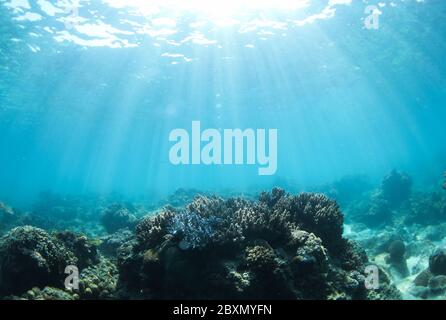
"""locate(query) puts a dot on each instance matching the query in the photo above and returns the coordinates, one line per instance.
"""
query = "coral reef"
(117, 216)
(396, 188)
(381, 206)
(98, 281)
(31, 257)
(279, 247)
(110, 243)
(152, 229)
(181, 197)
(347, 189)
(376, 213)
(427, 208)
(84, 250)
(59, 207)
(194, 230)
(47, 293)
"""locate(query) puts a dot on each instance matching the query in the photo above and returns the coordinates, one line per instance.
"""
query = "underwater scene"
(208, 150)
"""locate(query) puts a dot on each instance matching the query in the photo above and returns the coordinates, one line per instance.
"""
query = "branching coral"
(320, 215)
(194, 230)
(151, 229)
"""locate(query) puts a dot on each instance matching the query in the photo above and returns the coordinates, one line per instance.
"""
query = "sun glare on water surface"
(210, 8)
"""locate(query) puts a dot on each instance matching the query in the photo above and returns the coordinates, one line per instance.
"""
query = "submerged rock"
(397, 257)
(422, 279)
(437, 284)
(437, 262)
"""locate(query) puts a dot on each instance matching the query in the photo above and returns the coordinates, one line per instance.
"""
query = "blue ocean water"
(89, 91)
